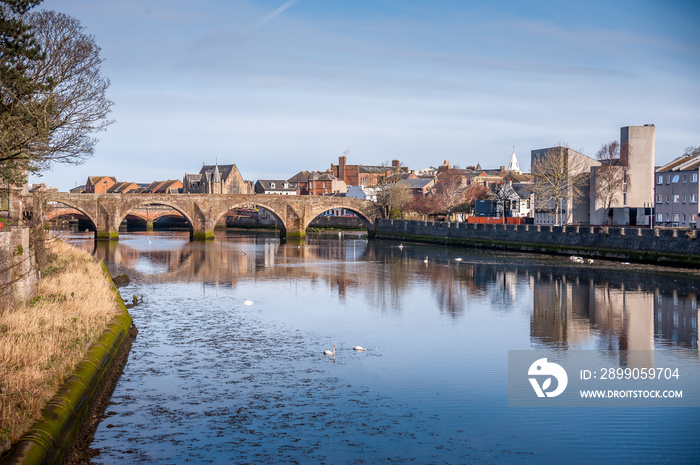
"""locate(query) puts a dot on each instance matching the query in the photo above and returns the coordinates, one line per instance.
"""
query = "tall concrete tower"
(638, 143)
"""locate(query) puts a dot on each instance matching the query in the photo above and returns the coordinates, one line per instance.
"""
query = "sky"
(280, 86)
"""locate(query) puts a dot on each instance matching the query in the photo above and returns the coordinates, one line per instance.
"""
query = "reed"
(42, 342)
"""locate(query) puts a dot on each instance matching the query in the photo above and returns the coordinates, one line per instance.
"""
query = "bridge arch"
(53, 213)
(226, 207)
(318, 211)
(137, 205)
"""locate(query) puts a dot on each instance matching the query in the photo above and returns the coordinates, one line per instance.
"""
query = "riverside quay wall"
(679, 247)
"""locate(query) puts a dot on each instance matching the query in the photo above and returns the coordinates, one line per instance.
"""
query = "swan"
(248, 302)
(426, 260)
(329, 352)
(458, 259)
(359, 348)
(400, 246)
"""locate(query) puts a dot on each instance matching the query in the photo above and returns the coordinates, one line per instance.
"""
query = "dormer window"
(272, 185)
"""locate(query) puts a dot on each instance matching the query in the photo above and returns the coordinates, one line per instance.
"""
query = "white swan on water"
(400, 246)
(458, 259)
(426, 260)
(359, 348)
(329, 352)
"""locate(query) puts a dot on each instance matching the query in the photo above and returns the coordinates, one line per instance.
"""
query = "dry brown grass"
(42, 342)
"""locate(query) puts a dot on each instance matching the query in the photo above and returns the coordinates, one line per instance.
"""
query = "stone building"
(216, 179)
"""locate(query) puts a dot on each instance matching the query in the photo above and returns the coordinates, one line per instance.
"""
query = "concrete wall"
(17, 267)
(663, 246)
(639, 141)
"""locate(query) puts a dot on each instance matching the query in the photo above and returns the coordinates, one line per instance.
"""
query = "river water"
(228, 366)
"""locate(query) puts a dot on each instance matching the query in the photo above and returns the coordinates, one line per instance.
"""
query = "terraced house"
(676, 192)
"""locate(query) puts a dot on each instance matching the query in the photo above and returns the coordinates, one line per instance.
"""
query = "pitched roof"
(279, 184)
(224, 171)
(420, 183)
(673, 165)
(301, 176)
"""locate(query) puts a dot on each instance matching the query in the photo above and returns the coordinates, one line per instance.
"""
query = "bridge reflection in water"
(570, 306)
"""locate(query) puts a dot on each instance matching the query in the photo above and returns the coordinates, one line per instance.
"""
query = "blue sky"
(279, 86)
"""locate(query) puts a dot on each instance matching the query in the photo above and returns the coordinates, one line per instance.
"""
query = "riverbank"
(656, 246)
(56, 350)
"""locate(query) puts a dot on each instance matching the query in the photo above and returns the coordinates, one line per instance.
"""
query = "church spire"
(513, 165)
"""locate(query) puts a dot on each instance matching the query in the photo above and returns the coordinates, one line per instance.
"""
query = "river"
(228, 365)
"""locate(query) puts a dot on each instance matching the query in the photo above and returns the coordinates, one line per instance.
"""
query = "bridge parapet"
(202, 211)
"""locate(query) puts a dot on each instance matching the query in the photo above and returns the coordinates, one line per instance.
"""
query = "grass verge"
(42, 342)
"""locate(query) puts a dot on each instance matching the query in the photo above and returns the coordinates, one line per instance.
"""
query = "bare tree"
(450, 190)
(393, 198)
(503, 193)
(612, 178)
(61, 116)
(560, 175)
(693, 151)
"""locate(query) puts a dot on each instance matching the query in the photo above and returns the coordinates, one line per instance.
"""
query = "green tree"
(19, 52)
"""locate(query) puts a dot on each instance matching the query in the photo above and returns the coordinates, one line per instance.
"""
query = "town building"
(364, 193)
(364, 175)
(420, 187)
(632, 203)
(99, 184)
(677, 192)
(569, 165)
(216, 179)
(315, 183)
(275, 187)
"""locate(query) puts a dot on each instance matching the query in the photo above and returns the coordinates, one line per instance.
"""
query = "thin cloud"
(275, 13)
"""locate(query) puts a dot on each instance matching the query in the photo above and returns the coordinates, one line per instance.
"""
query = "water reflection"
(569, 306)
(211, 378)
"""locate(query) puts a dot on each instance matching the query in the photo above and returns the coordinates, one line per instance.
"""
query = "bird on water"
(329, 352)
(359, 348)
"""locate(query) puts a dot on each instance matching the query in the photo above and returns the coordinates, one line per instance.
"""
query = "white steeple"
(513, 165)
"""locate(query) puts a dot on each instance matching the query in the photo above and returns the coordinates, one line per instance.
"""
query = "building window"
(693, 218)
(676, 198)
(659, 217)
(660, 179)
(694, 177)
(668, 217)
(685, 178)
(668, 179)
(666, 198)
(659, 198)
(675, 217)
(272, 185)
(683, 218)
(693, 198)
(683, 197)
(676, 177)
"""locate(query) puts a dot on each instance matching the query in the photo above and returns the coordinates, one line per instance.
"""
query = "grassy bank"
(41, 343)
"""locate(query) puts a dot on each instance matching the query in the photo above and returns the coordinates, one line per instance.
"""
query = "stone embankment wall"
(50, 438)
(17, 268)
(663, 246)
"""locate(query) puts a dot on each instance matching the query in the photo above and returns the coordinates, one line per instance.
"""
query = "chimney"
(341, 167)
(395, 163)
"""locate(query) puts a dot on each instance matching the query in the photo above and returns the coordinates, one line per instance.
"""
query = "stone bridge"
(203, 211)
